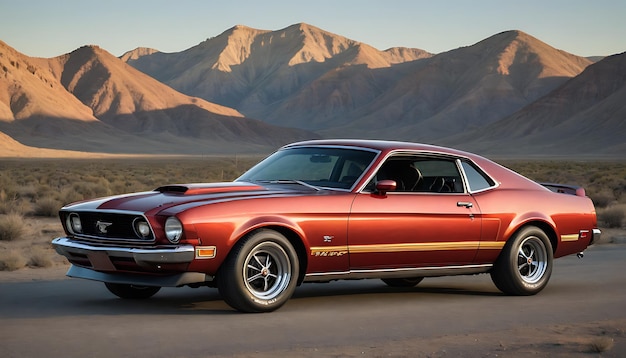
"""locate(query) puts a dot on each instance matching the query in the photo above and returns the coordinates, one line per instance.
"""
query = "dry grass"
(12, 227)
(33, 190)
(11, 260)
(40, 257)
(601, 344)
(613, 216)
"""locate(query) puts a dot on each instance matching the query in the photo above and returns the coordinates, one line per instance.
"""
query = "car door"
(435, 223)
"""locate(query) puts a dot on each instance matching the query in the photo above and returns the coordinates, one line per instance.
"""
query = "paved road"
(77, 318)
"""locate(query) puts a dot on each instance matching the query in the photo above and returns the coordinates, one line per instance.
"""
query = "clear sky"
(49, 28)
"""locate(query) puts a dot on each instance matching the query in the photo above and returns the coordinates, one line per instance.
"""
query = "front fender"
(266, 221)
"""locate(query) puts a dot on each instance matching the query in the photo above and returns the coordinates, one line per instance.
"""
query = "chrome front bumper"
(148, 257)
(101, 261)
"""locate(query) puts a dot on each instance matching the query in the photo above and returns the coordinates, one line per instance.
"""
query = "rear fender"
(537, 219)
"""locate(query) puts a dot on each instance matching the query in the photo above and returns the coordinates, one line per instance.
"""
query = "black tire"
(525, 264)
(133, 292)
(402, 282)
(260, 274)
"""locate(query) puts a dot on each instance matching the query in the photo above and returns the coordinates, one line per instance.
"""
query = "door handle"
(466, 204)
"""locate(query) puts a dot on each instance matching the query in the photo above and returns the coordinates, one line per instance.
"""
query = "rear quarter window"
(476, 179)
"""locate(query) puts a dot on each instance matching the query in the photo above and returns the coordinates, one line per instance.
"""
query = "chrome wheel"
(532, 260)
(268, 271)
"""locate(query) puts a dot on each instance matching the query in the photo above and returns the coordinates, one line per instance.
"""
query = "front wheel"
(132, 292)
(260, 274)
(525, 264)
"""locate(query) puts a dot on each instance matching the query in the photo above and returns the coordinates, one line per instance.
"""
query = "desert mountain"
(305, 77)
(586, 115)
(508, 94)
(465, 88)
(295, 77)
(89, 100)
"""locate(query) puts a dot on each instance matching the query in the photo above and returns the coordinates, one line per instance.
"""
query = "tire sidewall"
(231, 281)
(519, 284)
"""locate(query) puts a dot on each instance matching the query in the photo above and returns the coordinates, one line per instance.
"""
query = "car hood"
(169, 196)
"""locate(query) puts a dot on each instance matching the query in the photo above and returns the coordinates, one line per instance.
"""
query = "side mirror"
(383, 186)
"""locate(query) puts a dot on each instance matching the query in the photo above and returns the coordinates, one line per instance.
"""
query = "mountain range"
(248, 90)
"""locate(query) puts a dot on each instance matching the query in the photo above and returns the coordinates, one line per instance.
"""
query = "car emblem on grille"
(102, 226)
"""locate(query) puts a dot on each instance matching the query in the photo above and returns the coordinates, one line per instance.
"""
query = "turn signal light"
(205, 252)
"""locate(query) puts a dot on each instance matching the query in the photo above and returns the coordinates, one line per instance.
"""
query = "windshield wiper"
(289, 181)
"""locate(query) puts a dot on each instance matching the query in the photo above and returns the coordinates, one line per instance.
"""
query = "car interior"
(431, 175)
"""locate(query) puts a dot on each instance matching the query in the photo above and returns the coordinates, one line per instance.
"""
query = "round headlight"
(142, 228)
(173, 229)
(73, 224)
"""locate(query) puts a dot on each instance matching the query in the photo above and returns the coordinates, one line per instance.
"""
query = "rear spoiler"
(565, 189)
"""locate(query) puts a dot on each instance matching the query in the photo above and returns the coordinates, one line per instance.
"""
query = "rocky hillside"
(586, 115)
(89, 100)
(307, 78)
(251, 90)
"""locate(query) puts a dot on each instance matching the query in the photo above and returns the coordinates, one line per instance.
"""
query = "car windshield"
(319, 167)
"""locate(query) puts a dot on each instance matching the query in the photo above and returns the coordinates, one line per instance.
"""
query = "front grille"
(107, 228)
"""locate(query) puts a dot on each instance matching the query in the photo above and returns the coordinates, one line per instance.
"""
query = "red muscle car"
(326, 210)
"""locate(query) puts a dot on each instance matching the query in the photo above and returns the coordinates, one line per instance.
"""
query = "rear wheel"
(260, 274)
(525, 264)
(133, 292)
(402, 282)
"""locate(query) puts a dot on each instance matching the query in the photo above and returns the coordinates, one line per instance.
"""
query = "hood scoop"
(198, 189)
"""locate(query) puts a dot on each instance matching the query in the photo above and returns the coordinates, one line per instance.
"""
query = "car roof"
(382, 145)
(504, 176)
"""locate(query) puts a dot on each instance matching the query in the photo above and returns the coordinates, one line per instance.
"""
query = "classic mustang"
(326, 210)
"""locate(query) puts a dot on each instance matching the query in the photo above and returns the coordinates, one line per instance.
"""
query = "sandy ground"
(596, 339)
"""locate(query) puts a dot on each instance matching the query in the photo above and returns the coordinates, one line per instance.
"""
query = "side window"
(476, 179)
(421, 174)
(439, 175)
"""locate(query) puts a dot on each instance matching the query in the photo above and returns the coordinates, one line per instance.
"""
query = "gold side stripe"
(570, 237)
(426, 246)
(328, 248)
(492, 245)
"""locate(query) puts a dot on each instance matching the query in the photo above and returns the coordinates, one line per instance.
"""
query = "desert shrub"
(5, 207)
(27, 191)
(40, 257)
(17, 206)
(602, 200)
(612, 217)
(90, 189)
(69, 195)
(123, 186)
(47, 207)
(11, 261)
(601, 344)
(12, 227)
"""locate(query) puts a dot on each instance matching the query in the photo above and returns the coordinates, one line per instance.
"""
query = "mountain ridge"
(251, 90)
(586, 110)
(89, 100)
